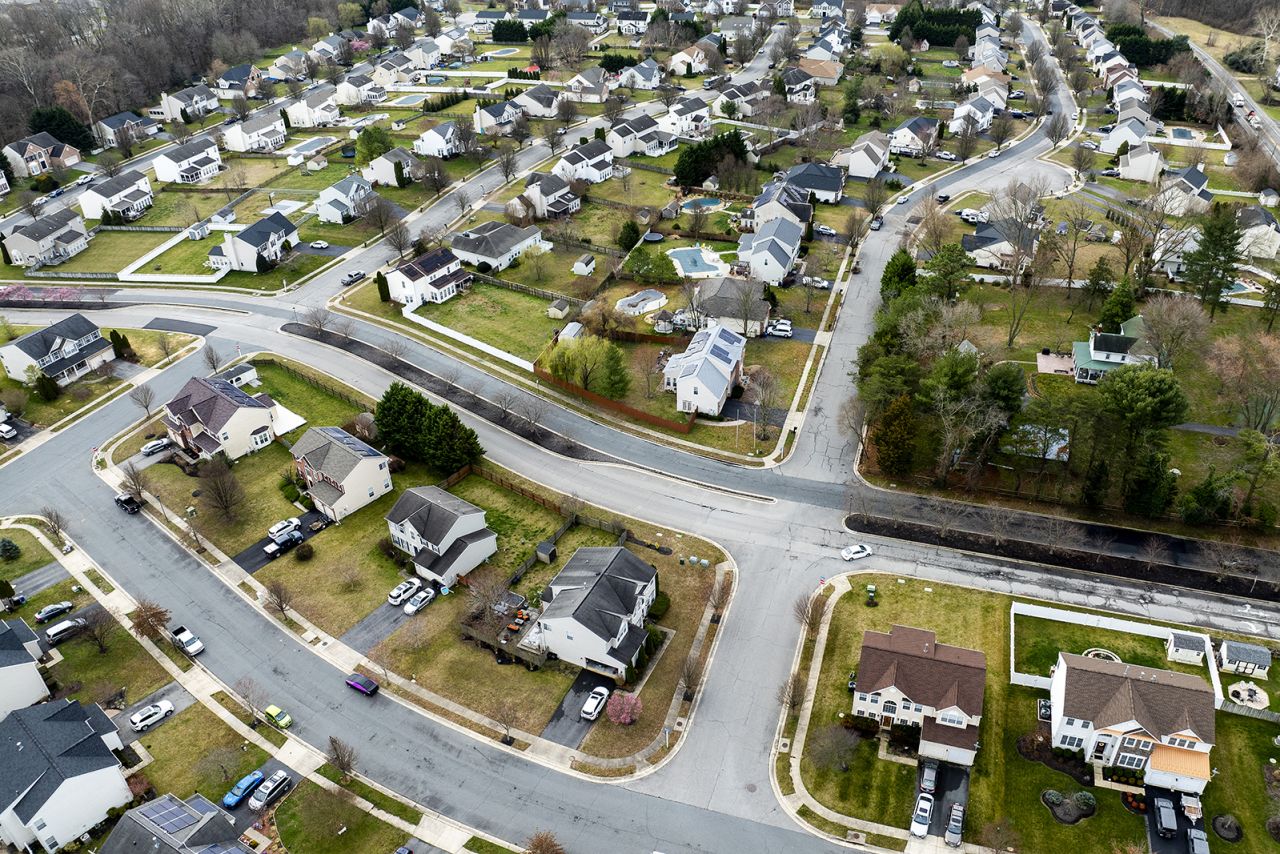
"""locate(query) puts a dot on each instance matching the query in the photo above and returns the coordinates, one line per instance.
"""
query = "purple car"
(363, 684)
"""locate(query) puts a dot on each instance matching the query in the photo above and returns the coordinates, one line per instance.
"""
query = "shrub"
(865, 725)
(623, 709)
(1085, 801)
(305, 551)
(290, 491)
(657, 610)
(654, 640)
(1053, 798)
(9, 550)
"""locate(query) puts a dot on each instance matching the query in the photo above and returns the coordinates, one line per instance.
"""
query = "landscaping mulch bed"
(1136, 804)
(1067, 812)
(1036, 747)
(1227, 827)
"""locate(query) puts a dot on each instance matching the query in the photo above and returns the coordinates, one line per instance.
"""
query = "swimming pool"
(706, 203)
(435, 80)
(314, 144)
(506, 51)
(408, 101)
(1181, 133)
(695, 262)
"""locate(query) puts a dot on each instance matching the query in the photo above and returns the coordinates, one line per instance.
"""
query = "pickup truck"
(185, 640)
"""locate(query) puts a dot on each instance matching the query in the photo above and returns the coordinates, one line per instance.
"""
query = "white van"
(56, 634)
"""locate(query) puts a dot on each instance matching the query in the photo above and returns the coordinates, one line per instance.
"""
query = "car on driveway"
(155, 446)
(7, 431)
(825, 230)
(277, 784)
(947, 155)
(128, 503)
(595, 703)
(1197, 842)
(922, 815)
(928, 777)
(283, 528)
(276, 548)
(420, 600)
(319, 244)
(243, 789)
(955, 826)
(1111, 173)
(141, 720)
(1089, 144)
(403, 591)
(363, 684)
(853, 681)
(779, 331)
(57, 609)
(856, 552)
(278, 716)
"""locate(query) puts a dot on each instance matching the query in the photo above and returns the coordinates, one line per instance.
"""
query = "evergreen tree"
(628, 235)
(399, 416)
(126, 348)
(616, 381)
(47, 388)
(62, 126)
(948, 271)
(9, 550)
(1118, 308)
(288, 125)
(1005, 385)
(1151, 489)
(899, 275)
(1208, 501)
(384, 290)
(1099, 282)
(1211, 265)
(451, 444)
(401, 180)
(117, 346)
(894, 437)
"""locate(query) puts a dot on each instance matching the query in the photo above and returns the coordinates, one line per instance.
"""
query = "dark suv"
(128, 503)
(291, 539)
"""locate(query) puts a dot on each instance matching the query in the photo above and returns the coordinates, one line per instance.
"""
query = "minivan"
(1166, 819)
(56, 634)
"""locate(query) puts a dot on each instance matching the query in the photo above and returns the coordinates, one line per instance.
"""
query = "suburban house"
(347, 200)
(49, 239)
(267, 241)
(977, 113)
(721, 301)
(61, 777)
(190, 163)
(632, 23)
(645, 75)
(743, 96)
(127, 195)
(329, 49)
(392, 70)
(496, 244)
(167, 825)
(545, 196)
(771, 251)
(21, 684)
(827, 9)
(800, 85)
(124, 127)
(455, 42)
(187, 104)
(261, 133)
(342, 473)
(497, 119)
(1259, 233)
(1131, 131)
(591, 162)
(735, 27)
(916, 137)
(318, 108)
(384, 26)
(1123, 715)
(211, 416)
(992, 245)
(588, 87)
(1183, 192)
(823, 72)
(410, 17)
(63, 351)
(691, 60)
(594, 609)
(592, 22)
(867, 157)
(1105, 351)
(906, 677)
(434, 277)
(1170, 247)
(445, 535)
(778, 200)
(689, 117)
(703, 376)
(423, 53)
(531, 16)
(1141, 162)
(4, 183)
(539, 102)
(36, 154)
(826, 183)
(1244, 658)
(359, 89)
(288, 66)
(824, 50)
(641, 135)
(242, 80)
(382, 169)
(485, 20)
(441, 141)
(881, 14)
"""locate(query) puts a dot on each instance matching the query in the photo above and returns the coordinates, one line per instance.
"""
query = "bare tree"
(279, 597)
(166, 344)
(317, 317)
(808, 612)
(1058, 127)
(506, 714)
(791, 693)
(240, 107)
(212, 358)
(1154, 552)
(144, 396)
(692, 673)
(765, 391)
(135, 480)
(99, 628)
(505, 400)
(461, 200)
(222, 492)
(110, 164)
(533, 409)
(252, 695)
(54, 521)
(381, 215)
(150, 620)
(1001, 130)
(342, 756)
(399, 238)
(875, 195)
(832, 747)
(1056, 531)
(718, 598)
(508, 164)
(1175, 327)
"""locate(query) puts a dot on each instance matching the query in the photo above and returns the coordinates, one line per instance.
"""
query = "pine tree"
(899, 275)
(628, 235)
(117, 344)
(1099, 282)
(288, 125)
(616, 382)
(47, 388)
(401, 180)
(1211, 265)
(1118, 308)
(126, 348)
(9, 550)
(894, 437)
(451, 443)
(400, 416)
(384, 289)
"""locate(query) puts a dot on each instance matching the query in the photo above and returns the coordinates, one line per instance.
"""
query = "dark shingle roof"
(196, 826)
(1247, 652)
(40, 343)
(425, 265)
(14, 635)
(929, 673)
(430, 511)
(1161, 701)
(492, 239)
(260, 232)
(119, 184)
(41, 228)
(816, 176)
(599, 587)
(46, 744)
(210, 402)
(332, 450)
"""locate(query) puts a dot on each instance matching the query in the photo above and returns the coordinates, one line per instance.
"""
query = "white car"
(83, 179)
(594, 705)
(403, 591)
(7, 431)
(993, 153)
(947, 155)
(1089, 144)
(142, 719)
(319, 244)
(420, 600)
(825, 230)
(282, 529)
(920, 819)
(779, 331)
(855, 552)
(902, 200)
(155, 446)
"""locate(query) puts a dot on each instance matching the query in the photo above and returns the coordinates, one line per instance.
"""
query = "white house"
(486, 19)
(263, 132)
(827, 9)
(382, 169)
(1119, 714)
(688, 117)
(771, 250)
(867, 157)
(646, 75)
(632, 23)
(497, 119)
(288, 66)
(591, 162)
(590, 86)
(410, 18)
(441, 141)
(1259, 233)
(190, 163)
(359, 89)
(595, 607)
(1184, 192)
(49, 239)
(329, 49)
(187, 104)
(64, 351)
(21, 684)
(800, 85)
(721, 301)
(744, 97)
(641, 135)
(691, 60)
(1141, 162)
(541, 101)
(996, 245)
(341, 472)
(977, 113)
(825, 182)
(545, 196)
(1106, 351)
(704, 375)
(1171, 246)
(4, 183)
(1245, 659)
(496, 244)
(317, 108)
(778, 200)
(593, 22)
(383, 25)
(265, 242)
(1131, 130)
(347, 200)
(455, 42)
(1126, 89)
(916, 136)
(906, 677)
(36, 154)
(445, 535)
(423, 53)
(824, 50)
(238, 80)
(434, 277)
(128, 194)
(880, 14)
(211, 416)
(393, 69)
(61, 777)
(114, 130)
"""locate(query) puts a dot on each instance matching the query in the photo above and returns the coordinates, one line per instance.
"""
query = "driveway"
(805, 336)
(173, 692)
(254, 558)
(565, 726)
(952, 788)
(166, 324)
(1178, 843)
(141, 461)
(377, 626)
(40, 579)
(25, 432)
(242, 816)
(330, 251)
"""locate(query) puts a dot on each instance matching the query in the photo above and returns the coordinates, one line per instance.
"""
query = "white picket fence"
(461, 338)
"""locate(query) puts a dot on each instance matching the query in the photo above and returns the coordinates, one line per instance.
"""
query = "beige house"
(342, 473)
(211, 416)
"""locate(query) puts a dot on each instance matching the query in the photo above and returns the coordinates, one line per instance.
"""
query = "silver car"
(275, 786)
(955, 826)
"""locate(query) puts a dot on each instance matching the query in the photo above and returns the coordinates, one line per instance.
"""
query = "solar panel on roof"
(222, 848)
(720, 353)
(201, 804)
(169, 814)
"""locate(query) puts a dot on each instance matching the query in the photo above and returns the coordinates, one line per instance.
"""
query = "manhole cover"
(751, 787)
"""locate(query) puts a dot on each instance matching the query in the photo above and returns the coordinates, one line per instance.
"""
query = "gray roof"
(588, 152)
(42, 342)
(260, 232)
(1001, 231)
(631, 127)
(39, 229)
(44, 745)
(722, 297)
(923, 128)
(791, 197)
(1247, 652)
(119, 184)
(816, 176)
(796, 77)
(191, 93)
(333, 451)
(402, 155)
(188, 150)
(430, 511)
(261, 122)
(43, 139)
(14, 635)
(210, 402)
(320, 94)
(548, 183)
(492, 239)
(779, 237)
(1161, 701)
(119, 120)
(196, 826)
(237, 74)
(1185, 641)
(598, 587)
(542, 94)
(1254, 215)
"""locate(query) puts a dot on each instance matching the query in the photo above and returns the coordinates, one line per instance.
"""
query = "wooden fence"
(616, 406)
(313, 382)
(575, 243)
(526, 289)
(647, 167)
(171, 229)
(1260, 714)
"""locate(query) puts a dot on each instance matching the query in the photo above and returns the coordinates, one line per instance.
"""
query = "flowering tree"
(623, 709)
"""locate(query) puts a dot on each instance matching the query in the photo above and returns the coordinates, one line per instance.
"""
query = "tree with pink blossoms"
(623, 709)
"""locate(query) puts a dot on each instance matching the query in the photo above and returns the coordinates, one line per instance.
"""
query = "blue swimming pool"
(1181, 133)
(1236, 288)
(706, 203)
(506, 51)
(691, 261)
(408, 101)
(435, 80)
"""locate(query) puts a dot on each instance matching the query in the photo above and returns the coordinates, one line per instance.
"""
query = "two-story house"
(211, 416)
(122, 127)
(21, 684)
(632, 22)
(916, 137)
(778, 200)
(640, 135)
(446, 536)
(486, 20)
(382, 171)
(49, 239)
(591, 162)
(1142, 162)
(539, 102)
(317, 108)
(590, 86)
(424, 53)
(341, 472)
(497, 119)
(262, 244)
(1259, 232)
(545, 196)
(289, 66)
(261, 133)
(1106, 351)
(594, 610)
(393, 69)
(690, 117)
(190, 163)
(1139, 718)
(345, 201)
(384, 26)
(496, 244)
(906, 677)
(4, 183)
(771, 251)
(167, 825)
(185, 105)
(238, 80)
(999, 245)
(867, 157)
(592, 21)
(736, 304)
(36, 154)
(976, 115)
(434, 277)
(703, 376)
(127, 195)
(441, 141)
(800, 85)
(61, 777)
(825, 182)
(359, 89)
(646, 75)
(63, 351)
(744, 98)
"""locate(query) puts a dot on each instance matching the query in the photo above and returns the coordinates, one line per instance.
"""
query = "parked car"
(420, 600)
(275, 786)
(186, 640)
(403, 591)
(352, 277)
(7, 431)
(1166, 818)
(319, 244)
(83, 179)
(1197, 842)
(993, 153)
(876, 224)
(155, 446)
(955, 826)
(278, 716)
(824, 230)
(57, 609)
(903, 199)
(1111, 173)
(595, 703)
(922, 815)
(1089, 144)
(1017, 95)
(928, 777)
(1106, 129)
(943, 197)
(856, 551)
(363, 684)
(947, 155)
(779, 331)
(242, 789)
(283, 528)
(128, 503)
(59, 632)
(141, 720)
(273, 550)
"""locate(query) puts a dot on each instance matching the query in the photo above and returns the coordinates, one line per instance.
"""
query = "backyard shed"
(1236, 657)
(1188, 649)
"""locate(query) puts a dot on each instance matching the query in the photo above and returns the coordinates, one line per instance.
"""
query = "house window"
(875, 699)
(382, 466)
(1086, 725)
(226, 436)
(1128, 760)
(386, 484)
(1182, 742)
(1072, 741)
(371, 492)
(1128, 741)
(1070, 721)
(39, 825)
(862, 698)
(951, 719)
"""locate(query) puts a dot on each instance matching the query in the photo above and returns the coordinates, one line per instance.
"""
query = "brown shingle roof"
(924, 670)
(1161, 701)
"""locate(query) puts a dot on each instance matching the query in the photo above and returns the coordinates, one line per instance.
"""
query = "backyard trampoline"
(697, 262)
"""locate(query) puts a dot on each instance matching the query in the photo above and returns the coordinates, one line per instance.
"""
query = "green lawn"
(318, 406)
(309, 820)
(125, 665)
(32, 558)
(506, 319)
(1038, 642)
(59, 592)
(182, 209)
(112, 251)
(577, 537)
(642, 189)
(74, 397)
(519, 523)
(372, 795)
(293, 268)
(1242, 753)
(196, 752)
(186, 258)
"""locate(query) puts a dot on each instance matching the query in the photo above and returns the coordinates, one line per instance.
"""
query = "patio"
(1248, 694)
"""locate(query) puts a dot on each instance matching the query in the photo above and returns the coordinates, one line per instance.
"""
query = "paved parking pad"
(40, 579)
(378, 626)
(566, 726)
(173, 692)
(254, 558)
(1177, 844)
(166, 324)
(242, 815)
(952, 788)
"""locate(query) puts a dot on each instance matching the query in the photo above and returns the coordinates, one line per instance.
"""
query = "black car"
(274, 550)
(57, 609)
(944, 197)
(128, 503)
